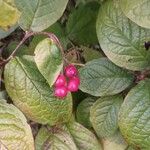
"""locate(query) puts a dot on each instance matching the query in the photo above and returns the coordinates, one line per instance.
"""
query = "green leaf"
(57, 29)
(82, 29)
(23, 50)
(137, 10)
(115, 142)
(32, 95)
(3, 95)
(15, 133)
(41, 138)
(79, 2)
(48, 59)
(83, 111)
(72, 136)
(90, 54)
(100, 77)
(130, 148)
(9, 14)
(104, 115)
(4, 33)
(134, 116)
(58, 140)
(122, 40)
(84, 139)
(38, 15)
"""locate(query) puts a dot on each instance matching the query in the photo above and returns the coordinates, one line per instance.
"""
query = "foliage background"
(108, 41)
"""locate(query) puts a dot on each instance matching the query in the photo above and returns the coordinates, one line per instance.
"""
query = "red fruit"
(61, 92)
(61, 81)
(77, 79)
(70, 71)
(73, 84)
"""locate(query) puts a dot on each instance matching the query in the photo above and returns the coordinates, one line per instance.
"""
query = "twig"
(141, 75)
(53, 37)
(26, 36)
(50, 35)
(78, 64)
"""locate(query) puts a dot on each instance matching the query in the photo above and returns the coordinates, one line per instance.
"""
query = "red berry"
(73, 84)
(77, 79)
(61, 92)
(61, 81)
(70, 71)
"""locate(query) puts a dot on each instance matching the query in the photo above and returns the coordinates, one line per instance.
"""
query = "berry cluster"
(62, 87)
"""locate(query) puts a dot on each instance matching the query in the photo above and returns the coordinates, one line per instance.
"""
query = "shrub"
(75, 75)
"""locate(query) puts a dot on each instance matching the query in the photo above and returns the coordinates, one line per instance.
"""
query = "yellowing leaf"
(115, 142)
(31, 93)
(15, 132)
(3, 147)
(138, 11)
(48, 59)
(9, 14)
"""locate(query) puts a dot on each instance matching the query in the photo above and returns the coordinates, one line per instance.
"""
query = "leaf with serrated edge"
(104, 115)
(122, 40)
(48, 59)
(15, 133)
(134, 116)
(100, 77)
(32, 95)
(38, 15)
(137, 10)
